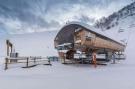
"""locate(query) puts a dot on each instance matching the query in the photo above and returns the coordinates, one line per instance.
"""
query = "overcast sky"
(22, 16)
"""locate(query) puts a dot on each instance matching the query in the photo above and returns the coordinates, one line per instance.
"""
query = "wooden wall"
(96, 41)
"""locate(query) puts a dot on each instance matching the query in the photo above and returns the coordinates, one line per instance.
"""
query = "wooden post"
(9, 47)
(27, 63)
(63, 57)
(64, 60)
(6, 63)
(49, 62)
(35, 61)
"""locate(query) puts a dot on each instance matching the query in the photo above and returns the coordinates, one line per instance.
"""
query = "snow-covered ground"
(34, 44)
(59, 76)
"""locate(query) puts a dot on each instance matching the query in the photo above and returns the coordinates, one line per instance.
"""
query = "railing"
(27, 60)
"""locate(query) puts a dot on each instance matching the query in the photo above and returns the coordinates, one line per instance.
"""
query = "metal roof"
(94, 30)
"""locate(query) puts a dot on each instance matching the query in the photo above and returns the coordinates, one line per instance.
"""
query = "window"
(89, 35)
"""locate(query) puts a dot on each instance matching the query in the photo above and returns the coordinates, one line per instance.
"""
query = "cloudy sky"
(23, 16)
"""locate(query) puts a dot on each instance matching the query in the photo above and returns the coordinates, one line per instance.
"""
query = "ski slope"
(59, 76)
(31, 44)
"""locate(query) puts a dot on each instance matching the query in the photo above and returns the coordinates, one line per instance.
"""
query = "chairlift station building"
(76, 36)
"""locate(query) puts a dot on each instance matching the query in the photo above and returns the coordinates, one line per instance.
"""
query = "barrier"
(27, 60)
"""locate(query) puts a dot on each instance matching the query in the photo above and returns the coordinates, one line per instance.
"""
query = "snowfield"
(34, 44)
(60, 76)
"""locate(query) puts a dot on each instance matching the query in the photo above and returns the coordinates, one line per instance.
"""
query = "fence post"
(34, 61)
(49, 62)
(6, 63)
(27, 63)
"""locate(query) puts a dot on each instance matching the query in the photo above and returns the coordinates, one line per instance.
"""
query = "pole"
(6, 63)
(27, 63)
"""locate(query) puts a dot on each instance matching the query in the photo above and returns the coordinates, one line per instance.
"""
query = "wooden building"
(79, 36)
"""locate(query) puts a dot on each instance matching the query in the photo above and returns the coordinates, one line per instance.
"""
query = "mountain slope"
(119, 24)
(32, 44)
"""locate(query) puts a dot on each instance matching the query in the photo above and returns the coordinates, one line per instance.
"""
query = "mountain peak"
(111, 21)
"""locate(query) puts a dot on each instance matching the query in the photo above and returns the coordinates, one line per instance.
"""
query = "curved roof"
(66, 36)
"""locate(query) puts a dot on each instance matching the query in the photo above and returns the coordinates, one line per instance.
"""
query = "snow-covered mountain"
(31, 44)
(119, 24)
(114, 19)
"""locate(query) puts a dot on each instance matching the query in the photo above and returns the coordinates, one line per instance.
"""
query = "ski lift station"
(77, 41)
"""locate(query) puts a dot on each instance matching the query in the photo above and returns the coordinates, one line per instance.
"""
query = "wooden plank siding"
(76, 34)
(96, 41)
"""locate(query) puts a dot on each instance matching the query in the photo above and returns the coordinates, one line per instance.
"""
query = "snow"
(65, 44)
(72, 76)
(64, 51)
(35, 44)
(128, 26)
(59, 76)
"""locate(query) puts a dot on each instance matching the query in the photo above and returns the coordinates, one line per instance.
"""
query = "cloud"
(22, 16)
